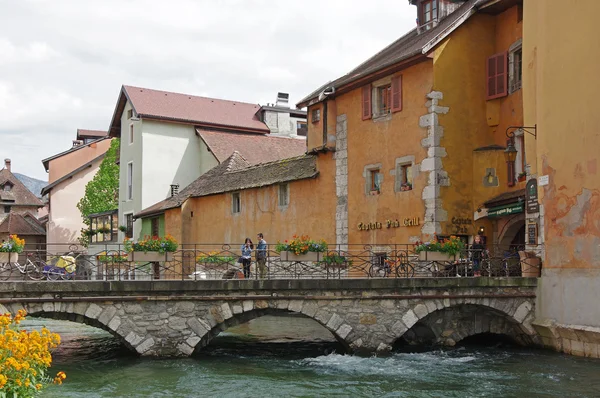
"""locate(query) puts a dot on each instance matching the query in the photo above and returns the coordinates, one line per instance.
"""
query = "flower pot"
(150, 256)
(309, 256)
(436, 256)
(9, 257)
(530, 264)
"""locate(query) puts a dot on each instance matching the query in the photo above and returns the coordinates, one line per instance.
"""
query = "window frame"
(154, 226)
(129, 113)
(375, 180)
(495, 76)
(301, 127)
(130, 133)
(515, 66)
(7, 209)
(236, 203)
(110, 219)
(433, 6)
(283, 195)
(384, 99)
(315, 115)
(128, 221)
(129, 186)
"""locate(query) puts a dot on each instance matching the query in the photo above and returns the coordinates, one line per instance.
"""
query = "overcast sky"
(62, 62)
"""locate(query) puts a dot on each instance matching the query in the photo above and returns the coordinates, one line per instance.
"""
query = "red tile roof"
(91, 133)
(21, 224)
(18, 195)
(255, 148)
(186, 108)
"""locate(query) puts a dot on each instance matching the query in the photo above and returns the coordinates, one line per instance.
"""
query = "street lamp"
(510, 153)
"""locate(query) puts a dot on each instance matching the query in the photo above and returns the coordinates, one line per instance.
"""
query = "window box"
(150, 256)
(406, 187)
(375, 192)
(8, 257)
(310, 256)
(436, 256)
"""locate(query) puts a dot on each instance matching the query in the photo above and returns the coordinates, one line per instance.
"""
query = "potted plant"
(407, 186)
(335, 260)
(151, 249)
(112, 257)
(214, 260)
(301, 248)
(522, 176)
(122, 228)
(436, 250)
(10, 249)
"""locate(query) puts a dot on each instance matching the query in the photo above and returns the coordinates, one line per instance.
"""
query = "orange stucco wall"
(67, 163)
(311, 211)
(472, 121)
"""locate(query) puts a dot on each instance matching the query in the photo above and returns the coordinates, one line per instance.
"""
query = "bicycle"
(65, 267)
(30, 269)
(401, 269)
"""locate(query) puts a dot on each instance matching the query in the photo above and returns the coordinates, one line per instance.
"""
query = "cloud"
(62, 62)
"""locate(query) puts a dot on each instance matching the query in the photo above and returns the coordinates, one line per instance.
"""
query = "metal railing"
(223, 261)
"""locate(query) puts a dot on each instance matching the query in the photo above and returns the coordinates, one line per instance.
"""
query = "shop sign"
(507, 210)
(532, 234)
(407, 222)
(531, 196)
(461, 225)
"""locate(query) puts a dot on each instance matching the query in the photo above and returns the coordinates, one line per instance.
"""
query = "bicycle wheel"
(52, 274)
(34, 271)
(5, 271)
(405, 270)
(377, 271)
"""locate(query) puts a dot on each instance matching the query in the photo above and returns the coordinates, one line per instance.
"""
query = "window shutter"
(497, 75)
(366, 102)
(397, 93)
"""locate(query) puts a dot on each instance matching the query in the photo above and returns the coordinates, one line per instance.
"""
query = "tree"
(102, 192)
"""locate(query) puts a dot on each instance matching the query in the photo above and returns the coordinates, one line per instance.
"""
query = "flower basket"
(436, 256)
(9, 257)
(149, 256)
(308, 256)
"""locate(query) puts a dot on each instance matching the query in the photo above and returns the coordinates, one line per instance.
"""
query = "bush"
(25, 358)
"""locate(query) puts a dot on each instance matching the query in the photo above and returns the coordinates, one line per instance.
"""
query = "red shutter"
(366, 102)
(497, 75)
(397, 93)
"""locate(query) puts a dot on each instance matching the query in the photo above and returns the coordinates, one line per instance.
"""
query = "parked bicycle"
(33, 270)
(391, 267)
(61, 267)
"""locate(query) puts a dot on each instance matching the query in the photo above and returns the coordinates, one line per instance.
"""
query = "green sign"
(506, 210)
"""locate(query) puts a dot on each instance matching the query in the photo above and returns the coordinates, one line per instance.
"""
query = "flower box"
(309, 256)
(436, 256)
(9, 257)
(149, 256)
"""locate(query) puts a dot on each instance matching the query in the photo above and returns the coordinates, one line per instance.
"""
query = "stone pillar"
(434, 211)
(341, 182)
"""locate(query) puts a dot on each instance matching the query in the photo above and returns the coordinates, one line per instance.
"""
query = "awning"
(506, 210)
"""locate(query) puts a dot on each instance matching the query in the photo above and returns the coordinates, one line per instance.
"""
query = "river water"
(295, 357)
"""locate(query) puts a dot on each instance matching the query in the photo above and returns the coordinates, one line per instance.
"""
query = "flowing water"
(295, 357)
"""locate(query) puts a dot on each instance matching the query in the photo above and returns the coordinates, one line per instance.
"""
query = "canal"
(295, 357)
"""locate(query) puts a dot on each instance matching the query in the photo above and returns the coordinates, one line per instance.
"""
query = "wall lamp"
(510, 153)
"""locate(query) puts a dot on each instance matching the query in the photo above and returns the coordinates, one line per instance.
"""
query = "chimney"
(283, 99)
(174, 189)
(77, 143)
(7, 164)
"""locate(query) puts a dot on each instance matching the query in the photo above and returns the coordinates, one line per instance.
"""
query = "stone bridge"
(177, 318)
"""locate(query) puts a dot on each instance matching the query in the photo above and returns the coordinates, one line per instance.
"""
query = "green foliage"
(451, 246)
(102, 192)
(214, 257)
(335, 259)
(151, 244)
(301, 245)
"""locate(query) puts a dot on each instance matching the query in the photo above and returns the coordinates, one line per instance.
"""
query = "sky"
(62, 62)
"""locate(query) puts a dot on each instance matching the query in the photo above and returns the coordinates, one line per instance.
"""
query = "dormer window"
(7, 187)
(429, 13)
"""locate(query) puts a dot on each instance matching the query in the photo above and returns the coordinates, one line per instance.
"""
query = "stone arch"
(90, 314)
(224, 315)
(511, 317)
(510, 230)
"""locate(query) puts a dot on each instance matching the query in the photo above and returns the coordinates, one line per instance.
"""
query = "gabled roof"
(506, 198)
(21, 224)
(46, 161)
(86, 166)
(235, 174)
(255, 148)
(184, 108)
(407, 50)
(19, 195)
(83, 133)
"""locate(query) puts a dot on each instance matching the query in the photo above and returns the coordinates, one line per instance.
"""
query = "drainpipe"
(324, 123)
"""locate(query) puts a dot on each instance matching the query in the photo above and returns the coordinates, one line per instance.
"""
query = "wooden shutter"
(397, 93)
(497, 75)
(366, 102)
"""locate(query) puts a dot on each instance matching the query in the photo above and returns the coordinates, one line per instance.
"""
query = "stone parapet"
(583, 341)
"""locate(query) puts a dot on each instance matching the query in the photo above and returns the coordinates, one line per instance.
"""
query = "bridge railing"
(223, 261)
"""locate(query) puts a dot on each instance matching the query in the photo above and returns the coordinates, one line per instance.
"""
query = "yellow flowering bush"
(25, 358)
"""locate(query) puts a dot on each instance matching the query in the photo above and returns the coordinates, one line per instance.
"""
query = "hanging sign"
(507, 210)
(531, 196)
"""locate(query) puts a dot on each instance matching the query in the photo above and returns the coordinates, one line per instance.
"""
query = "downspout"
(324, 123)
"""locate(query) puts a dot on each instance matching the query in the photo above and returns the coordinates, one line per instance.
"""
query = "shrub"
(25, 358)
(151, 244)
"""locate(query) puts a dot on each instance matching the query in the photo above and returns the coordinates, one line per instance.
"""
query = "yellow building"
(560, 88)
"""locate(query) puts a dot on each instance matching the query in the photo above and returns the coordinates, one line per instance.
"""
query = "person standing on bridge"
(477, 253)
(261, 255)
(247, 248)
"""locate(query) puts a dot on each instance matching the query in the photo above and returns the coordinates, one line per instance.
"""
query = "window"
(129, 181)
(515, 68)
(235, 203)
(384, 99)
(6, 209)
(7, 187)
(154, 226)
(129, 114)
(301, 128)
(496, 76)
(519, 12)
(406, 181)
(429, 11)
(316, 115)
(376, 178)
(284, 195)
(129, 225)
(103, 227)
(131, 133)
